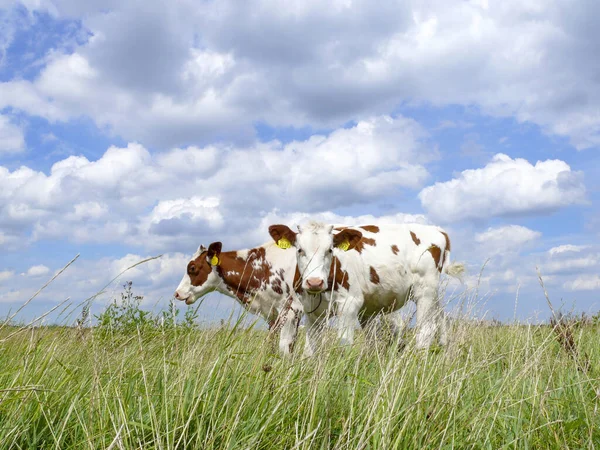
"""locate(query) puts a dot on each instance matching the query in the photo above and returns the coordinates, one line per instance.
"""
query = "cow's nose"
(177, 296)
(315, 283)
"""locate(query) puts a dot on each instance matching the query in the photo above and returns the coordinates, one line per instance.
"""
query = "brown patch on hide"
(447, 247)
(297, 280)
(374, 275)
(241, 276)
(370, 228)
(415, 239)
(352, 237)
(447, 240)
(363, 242)
(340, 277)
(436, 252)
(198, 269)
(278, 232)
(276, 286)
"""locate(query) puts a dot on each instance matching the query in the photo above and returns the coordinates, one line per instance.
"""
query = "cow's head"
(314, 244)
(201, 275)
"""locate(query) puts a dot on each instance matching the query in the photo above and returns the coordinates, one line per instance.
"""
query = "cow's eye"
(300, 251)
(330, 250)
(191, 269)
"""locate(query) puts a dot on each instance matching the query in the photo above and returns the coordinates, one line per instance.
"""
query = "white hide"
(408, 273)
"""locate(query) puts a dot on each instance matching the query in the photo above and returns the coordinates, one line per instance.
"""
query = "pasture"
(510, 386)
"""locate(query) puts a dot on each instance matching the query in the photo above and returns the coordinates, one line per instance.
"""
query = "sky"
(135, 129)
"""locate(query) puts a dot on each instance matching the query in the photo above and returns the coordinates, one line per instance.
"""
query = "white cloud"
(584, 283)
(571, 264)
(505, 186)
(506, 238)
(12, 138)
(193, 208)
(170, 266)
(168, 75)
(36, 271)
(566, 248)
(89, 210)
(155, 201)
(568, 261)
(6, 275)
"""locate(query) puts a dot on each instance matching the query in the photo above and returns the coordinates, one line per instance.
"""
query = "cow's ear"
(201, 249)
(214, 251)
(347, 239)
(282, 235)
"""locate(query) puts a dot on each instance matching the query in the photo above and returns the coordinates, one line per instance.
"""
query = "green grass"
(496, 387)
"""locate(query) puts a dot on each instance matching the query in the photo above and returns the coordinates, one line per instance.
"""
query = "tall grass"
(494, 387)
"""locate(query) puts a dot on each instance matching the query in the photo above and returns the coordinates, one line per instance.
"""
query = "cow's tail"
(453, 269)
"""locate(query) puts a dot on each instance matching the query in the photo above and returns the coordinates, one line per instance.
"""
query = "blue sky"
(138, 129)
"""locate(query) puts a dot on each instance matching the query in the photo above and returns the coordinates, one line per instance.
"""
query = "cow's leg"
(369, 326)
(443, 328)
(397, 325)
(289, 331)
(347, 312)
(314, 329)
(428, 312)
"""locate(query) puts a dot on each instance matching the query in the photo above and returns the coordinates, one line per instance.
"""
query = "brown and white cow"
(260, 279)
(359, 272)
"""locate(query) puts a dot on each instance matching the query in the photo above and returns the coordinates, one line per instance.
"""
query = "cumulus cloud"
(88, 210)
(584, 283)
(12, 138)
(572, 264)
(155, 201)
(505, 186)
(566, 248)
(166, 74)
(584, 259)
(36, 271)
(6, 275)
(574, 267)
(506, 238)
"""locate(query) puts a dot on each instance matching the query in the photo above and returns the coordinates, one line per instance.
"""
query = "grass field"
(494, 387)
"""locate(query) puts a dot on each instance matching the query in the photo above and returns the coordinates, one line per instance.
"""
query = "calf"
(260, 279)
(361, 271)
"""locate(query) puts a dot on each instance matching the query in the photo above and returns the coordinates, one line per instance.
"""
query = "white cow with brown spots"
(261, 279)
(359, 272)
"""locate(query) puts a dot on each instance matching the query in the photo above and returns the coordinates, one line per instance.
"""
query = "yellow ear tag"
(284, 243)
(344, 246)
(214, 261)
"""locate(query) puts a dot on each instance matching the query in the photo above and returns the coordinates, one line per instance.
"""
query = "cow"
(358, 272)
(260, 279)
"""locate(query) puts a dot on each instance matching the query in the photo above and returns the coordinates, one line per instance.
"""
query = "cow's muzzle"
(188, 300)
(315, 285)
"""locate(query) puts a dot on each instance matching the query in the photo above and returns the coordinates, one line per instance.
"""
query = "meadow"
(170, 386)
